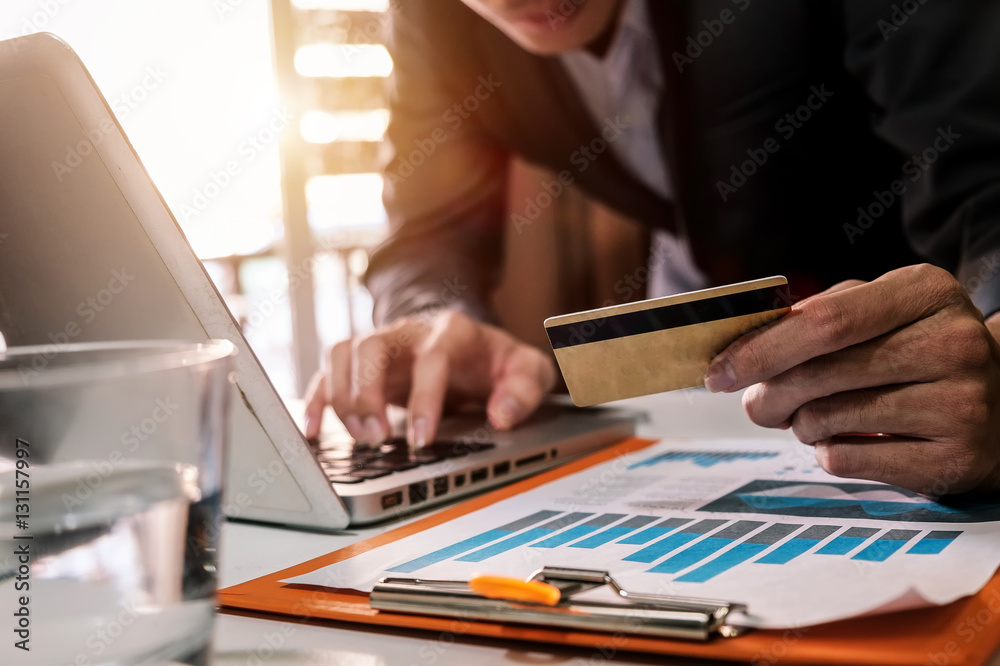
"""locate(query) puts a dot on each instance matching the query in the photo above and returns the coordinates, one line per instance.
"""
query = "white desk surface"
(250, 551)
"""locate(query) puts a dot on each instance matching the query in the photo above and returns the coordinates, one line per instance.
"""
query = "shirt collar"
(635, 16)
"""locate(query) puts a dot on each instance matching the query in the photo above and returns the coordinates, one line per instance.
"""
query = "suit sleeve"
(445, 184)
(932, 71)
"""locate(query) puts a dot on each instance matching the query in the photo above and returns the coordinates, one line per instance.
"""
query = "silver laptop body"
(89, 251)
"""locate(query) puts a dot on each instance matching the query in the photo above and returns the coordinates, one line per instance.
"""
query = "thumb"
(523, 382)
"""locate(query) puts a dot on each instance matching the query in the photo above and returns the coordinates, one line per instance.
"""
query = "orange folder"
(964, 632)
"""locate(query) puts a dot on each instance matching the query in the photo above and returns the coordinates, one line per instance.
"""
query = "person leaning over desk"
(839, 142)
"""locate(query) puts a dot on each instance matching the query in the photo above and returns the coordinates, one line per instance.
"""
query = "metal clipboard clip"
(634, 613)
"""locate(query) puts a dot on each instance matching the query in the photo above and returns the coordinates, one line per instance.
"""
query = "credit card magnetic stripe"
(675, 315)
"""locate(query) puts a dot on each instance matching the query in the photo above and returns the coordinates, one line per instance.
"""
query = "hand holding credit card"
(661, 344)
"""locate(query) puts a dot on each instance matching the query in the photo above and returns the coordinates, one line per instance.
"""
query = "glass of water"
(110, 501)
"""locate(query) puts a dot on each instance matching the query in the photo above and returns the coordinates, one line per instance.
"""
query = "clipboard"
(635, 613)
(966, 631)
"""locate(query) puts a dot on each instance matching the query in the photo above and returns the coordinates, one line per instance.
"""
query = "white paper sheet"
(742, 520)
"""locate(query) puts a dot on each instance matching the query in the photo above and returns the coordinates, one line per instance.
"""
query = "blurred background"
(260, 122)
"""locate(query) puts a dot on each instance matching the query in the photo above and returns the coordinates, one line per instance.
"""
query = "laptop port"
(418, 492)
(440, 486)
(501, 468)
(530, 460)
(478, 475)
(459, 480)
(392, 499)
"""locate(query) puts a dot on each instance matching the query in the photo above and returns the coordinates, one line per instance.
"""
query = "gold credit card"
(661, 344)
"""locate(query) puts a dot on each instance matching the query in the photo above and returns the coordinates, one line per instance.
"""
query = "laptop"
(89, 251)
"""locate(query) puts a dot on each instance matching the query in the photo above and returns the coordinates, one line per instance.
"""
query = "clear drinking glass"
(110, 501)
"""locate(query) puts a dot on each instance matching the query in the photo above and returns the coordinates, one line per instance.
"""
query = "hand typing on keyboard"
(423, 362)
(358, 461)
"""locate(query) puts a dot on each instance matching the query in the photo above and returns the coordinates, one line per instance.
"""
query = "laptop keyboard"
(355, 462)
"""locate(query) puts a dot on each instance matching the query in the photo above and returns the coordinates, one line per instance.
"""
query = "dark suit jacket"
(879, 99)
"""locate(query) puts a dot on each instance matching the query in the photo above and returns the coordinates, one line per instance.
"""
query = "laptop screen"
(75, 264)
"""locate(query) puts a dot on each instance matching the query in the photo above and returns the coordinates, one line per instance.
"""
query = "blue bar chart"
(578, 531)
(934, 542)
(704, 458)
(660, 548)
(748, 549)
(707, 547)
(526, 537)
(465, 545)
(887, 544)
(615, 532)
(690, 550)
(799, 544)
(848, 541)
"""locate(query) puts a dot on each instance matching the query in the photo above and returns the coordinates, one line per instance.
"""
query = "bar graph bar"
(695, 550)
(579, 531)
(799, 544)
(477, 541)
(751, 547)
(614, 532)
(658, 549)
(847, 541)
(704, 458)
(934, 542)
(707, 547)
(524, 538)
(884, 546)
(658, 530)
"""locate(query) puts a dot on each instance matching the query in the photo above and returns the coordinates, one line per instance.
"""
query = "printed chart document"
(747, 521)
